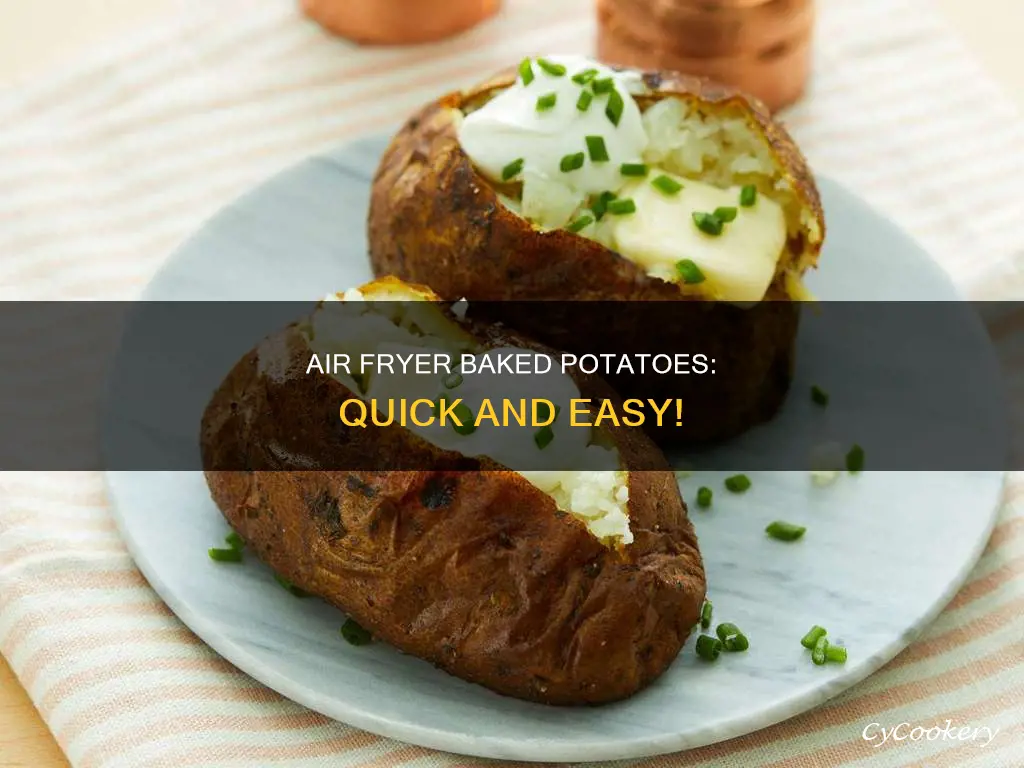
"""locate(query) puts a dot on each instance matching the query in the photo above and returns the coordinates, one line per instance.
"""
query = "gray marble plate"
(885, 551)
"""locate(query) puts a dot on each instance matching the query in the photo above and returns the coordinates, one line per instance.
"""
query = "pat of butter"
(739, 264)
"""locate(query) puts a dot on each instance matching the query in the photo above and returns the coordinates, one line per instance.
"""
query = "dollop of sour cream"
(512, 128)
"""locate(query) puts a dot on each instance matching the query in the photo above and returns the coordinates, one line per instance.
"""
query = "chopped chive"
(705, 614)
(725, 630)
(808, 640)
(600, 205)
(784, 531)
(732, 637)
(584, 77)
(666, 185)
(581, 223)
(543, 437)
(708, 647)
(463, 413)
(603, 85)
(547, 101)
(583, 102)
(352, 631)
(738, 483)
(543, 411)
(704, 495)
(855, 460)
(597, 150)
(819, 395)
(690, 272)
(512, 169)
(557, 70)
(234, 540)
(633, 169)
(621, 206)
(820, 650)
(290, 587)
(725, 213)
(613, 109)
(836, 653)
(453, 380)
(572, 162)
(737, 643)
(708, 223)
(526, 71)
(226, 555)
(748, 195)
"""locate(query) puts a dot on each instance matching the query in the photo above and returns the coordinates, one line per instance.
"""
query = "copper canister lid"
(762, 47)
(398, 22)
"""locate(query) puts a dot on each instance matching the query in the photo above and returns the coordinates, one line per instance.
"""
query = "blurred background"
(41, 35)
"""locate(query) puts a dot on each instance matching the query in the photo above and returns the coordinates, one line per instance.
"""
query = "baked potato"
(562, 587)
(569, 180)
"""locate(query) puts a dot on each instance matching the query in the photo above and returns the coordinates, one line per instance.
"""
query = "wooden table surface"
(43, 34)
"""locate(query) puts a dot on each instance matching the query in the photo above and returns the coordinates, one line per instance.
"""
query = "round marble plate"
(885, 550)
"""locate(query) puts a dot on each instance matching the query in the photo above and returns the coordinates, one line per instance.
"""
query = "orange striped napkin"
(106, 168)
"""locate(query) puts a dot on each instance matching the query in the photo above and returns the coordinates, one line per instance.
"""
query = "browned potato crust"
(433, 219)
(477, 572)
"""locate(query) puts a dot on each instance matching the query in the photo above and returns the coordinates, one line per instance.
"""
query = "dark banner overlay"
(129, 386)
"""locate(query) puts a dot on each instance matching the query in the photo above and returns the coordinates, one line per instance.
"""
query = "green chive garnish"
(234, 540)
(633, 169)
(226, 555)
(621, 207)
(725, 213)
(820, 650)
(597, 150)
(666, 185)
(526, 71)
(603, 85)
(572, 162)
(836, 653)
(512, 169)
(708, 647)
(812, 636)
(543, 437)
(296, 591)
(732, 638)
(584, 77)
(690, 272)
(705, 614)
(547, 101)
(465, 415)
(819, 395)
(704, 495)
(600, 205)
(583, 102)
(352, 631)
(581, 223)
(708, 223)
(855, 460)
(543, 411)
(613, 110)
(748, 195)
(452, 380)
(557, 70)
(737, 483)
(784, 531)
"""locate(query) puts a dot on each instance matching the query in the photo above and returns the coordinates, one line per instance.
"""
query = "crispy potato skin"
(433, 219)
(477, 572)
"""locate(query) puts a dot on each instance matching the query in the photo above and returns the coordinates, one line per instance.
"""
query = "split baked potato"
(495, 194)
(562, 587)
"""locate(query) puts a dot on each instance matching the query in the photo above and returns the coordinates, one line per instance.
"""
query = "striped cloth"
(103, 170)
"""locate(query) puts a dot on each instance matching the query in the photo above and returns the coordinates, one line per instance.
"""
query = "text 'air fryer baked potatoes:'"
(570, 180)
(564, 587)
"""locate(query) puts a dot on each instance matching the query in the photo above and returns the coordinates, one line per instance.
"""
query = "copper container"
(762, 47)
(398, 22)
